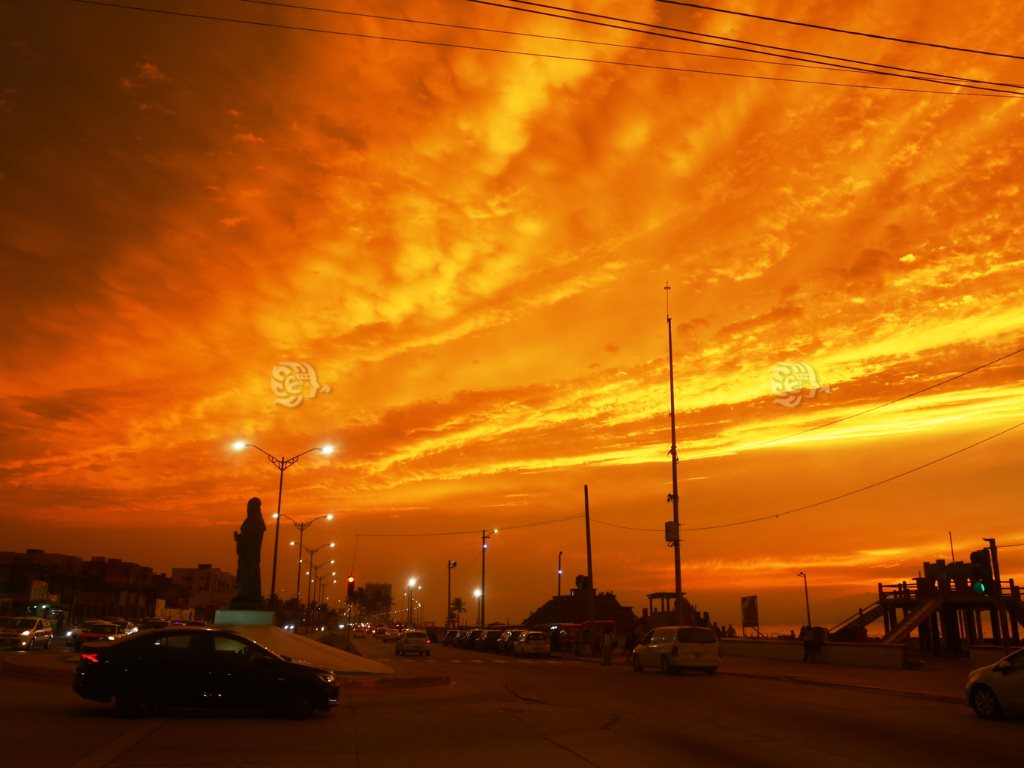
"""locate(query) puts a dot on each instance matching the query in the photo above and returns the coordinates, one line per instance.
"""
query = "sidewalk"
(937, 679)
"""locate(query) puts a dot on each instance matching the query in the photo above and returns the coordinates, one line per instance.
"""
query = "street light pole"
(312, 552)
(674, 497)
(410, 585)
(282, 464)
(298, 568)
(484, 536)
(807, 598)
(477, 593)
(448, 619)
(559, 574)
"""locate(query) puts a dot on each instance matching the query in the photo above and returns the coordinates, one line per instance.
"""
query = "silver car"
(673, 648)
(25, 632)
(998, 688)
(413, 641)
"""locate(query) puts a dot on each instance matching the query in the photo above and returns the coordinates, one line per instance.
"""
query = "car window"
(648, 638)
(695, 635)
(535, 636)
(179, 642)
(419, 635)
(17, 623)
(663, 634)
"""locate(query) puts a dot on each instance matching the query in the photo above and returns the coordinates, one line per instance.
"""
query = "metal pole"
(559, 574)
(675, 472)
(277, 530)
(483, 574)
(807, 598)
(591, 607)
(298, 570)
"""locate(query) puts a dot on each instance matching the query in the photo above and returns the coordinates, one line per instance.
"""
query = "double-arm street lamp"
(282, 464)
(312, 552)
(302, 529)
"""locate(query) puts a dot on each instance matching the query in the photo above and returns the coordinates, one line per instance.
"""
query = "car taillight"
(93, 657)
(428, 641)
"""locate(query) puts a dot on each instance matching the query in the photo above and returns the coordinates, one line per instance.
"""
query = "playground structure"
(951, 603)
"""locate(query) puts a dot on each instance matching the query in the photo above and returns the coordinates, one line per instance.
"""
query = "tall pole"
(448, 614)
(591, 607)
(1000, 610)
(277, 530)
(483, 574)
(559, 574)
(298, 573)
(675, 473)
(807, 598)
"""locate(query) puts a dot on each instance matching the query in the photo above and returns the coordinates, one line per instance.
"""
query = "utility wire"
(534, 35)
(488, 49)
(891, 402)
(840, 30)
(829, 500)
(844, 65)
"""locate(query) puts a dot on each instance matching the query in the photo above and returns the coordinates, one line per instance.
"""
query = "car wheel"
(48, 641)
(130, 702)
(665, 666)
(298, 702)
(985, 704)
(637, 665)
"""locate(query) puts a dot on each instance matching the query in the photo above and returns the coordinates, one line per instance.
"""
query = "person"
(812, 637)
(607, 646)
(248, 543)
(730, 631)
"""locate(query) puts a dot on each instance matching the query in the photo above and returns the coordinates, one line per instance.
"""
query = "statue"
(248, 542)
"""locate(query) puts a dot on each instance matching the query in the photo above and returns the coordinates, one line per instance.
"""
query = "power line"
(536, 36)
(844, 65)
(891, 402)
(829, 500)
(840, 30)
(557, 57)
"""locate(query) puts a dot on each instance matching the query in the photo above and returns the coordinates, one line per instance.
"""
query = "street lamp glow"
(328, 449)
(330, 516)
(238, 445)
(477, 593)
(412, 582)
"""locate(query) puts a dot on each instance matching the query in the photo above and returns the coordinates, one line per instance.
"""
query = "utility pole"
(674, 496)
(484, 536)
(1003, 628)
(448, 620)
(559, 574)
(591, 606)
(807, 598)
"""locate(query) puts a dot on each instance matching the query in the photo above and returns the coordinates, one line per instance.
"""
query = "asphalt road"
(502, 711)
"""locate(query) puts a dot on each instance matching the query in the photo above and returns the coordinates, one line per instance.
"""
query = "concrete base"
(249, 618)
(848, 654)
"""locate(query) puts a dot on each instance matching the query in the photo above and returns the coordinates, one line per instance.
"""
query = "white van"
(671, 648)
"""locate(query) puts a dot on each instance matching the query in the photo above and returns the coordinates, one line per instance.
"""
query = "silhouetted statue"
(248, 542)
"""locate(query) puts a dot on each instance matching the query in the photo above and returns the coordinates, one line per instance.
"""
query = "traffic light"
(351, 587)
(981, 572)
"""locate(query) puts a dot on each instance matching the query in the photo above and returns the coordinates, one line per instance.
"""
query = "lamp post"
(807, 599)
(448, 619)
(484, 536)
(312, 552)
(282, 464)
(559, 574)
(673, 530)
(412, 583)
(302, 529)
(478, 593)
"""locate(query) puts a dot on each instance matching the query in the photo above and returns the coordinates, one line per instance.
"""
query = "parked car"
(998, 688)
(450, 637)
(413, 641)
(532, 643)
(487, 640)
(25, 632)
(468, 637)
(391, 635)
(507, 639)
(358, 632)
(673, 648)
(193, 667)
(94, 630)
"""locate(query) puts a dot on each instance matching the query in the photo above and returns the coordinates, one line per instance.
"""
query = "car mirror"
(1004, 667)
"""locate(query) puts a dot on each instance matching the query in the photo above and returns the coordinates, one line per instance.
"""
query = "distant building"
(207, 588)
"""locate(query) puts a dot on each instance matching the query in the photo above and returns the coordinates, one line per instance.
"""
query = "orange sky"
(470, 249)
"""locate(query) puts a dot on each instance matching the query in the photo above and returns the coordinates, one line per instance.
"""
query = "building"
(206, 588)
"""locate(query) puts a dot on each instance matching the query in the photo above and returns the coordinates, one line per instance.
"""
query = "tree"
(457, 607)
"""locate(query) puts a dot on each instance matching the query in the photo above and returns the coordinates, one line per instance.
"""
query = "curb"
(947, 698)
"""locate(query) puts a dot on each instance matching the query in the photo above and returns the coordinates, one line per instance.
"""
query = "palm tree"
(457, 607)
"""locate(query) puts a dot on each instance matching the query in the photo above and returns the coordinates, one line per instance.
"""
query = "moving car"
(998, 688)
(413, 641)
(391, 635)
(94, 630)
(192, 667)
(680, 647)
(25, 632)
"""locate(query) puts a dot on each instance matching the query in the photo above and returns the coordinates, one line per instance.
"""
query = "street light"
(312, 551)
(302, 529)
(412, 583)
(559, 574)
(484, 536)
(807, 599)
(478, 593)
(448, 620)
(282, 464)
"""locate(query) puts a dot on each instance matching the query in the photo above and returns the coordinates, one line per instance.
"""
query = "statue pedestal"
(251, 618)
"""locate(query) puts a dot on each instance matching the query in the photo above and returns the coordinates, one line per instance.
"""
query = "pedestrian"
(607, 646)
(730, 631)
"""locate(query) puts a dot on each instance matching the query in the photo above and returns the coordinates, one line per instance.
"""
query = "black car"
(191, 667)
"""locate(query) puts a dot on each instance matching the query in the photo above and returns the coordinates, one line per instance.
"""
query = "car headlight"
(326, 678)
(26, 633)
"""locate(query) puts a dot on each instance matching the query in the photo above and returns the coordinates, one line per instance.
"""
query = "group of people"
(723, 631)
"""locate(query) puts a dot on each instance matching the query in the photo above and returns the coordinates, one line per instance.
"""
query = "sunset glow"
(439, 268)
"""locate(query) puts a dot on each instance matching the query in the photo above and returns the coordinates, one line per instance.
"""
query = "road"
(502, 711)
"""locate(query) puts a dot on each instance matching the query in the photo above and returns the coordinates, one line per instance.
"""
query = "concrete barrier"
(847, 654)
(983, 655)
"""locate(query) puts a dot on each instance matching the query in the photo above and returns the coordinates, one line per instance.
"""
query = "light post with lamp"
(302, 529)
(807, 598)
(559, 574)
(282, 464)
(484, 536)
(312, 552)
(448, 619)
(478, 593)
(412, 583)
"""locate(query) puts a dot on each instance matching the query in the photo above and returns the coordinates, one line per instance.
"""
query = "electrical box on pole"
(672, 532)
